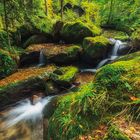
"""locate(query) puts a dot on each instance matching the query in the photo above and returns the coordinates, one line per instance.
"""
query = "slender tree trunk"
(46, 7)
(6, 22)
(110, 11)
(62, 10)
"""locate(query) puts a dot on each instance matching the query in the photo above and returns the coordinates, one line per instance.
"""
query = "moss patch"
(64, 75)
(95, 48)
(76, 32)
(118, 35)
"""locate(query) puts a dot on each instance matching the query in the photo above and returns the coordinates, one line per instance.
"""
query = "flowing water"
(41, 59)
(23, 117)
(24, 121)
(118, 45)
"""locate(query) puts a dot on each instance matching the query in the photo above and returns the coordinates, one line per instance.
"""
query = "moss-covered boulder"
(136, 40)
(95, 49)
(14, 86)
(64, 76)
(32, 27)
(118, 35)
(115, 87)
(123, 76)
(8, 63)
(57, 53)
(75, 32)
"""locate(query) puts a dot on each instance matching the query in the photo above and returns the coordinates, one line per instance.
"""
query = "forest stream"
(24, 120)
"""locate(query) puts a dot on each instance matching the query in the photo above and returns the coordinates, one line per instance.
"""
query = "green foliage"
(7, 64)
(123, 14)
(77, 113)
(118, 35)
(115, 134)
(3, 39)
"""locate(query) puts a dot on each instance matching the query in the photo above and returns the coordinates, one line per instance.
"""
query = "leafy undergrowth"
(115, 88)
(24, 74)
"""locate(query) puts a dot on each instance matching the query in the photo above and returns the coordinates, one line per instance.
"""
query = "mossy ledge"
(86, 107)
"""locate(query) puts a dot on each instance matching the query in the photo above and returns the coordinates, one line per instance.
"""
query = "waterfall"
(41, 59)
(116, 48)
(114, 54)
(26, 111)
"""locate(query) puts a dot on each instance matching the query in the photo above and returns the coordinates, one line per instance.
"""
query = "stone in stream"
(95, 49)
(54, 53)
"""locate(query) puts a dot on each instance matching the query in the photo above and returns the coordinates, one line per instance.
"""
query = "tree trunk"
(62, 10)
(110, 11)
(46, 7)
(6, 23)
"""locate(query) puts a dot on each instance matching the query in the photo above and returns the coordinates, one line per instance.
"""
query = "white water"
(114, 54)
(41, 59)
(26, 111)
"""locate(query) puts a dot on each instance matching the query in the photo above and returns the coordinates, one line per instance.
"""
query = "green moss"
(85, 107)
(115, 134)
(118, 35)
(75, 32)
(120, 76)
(129, 56)
(72, 115)
(64, 75)
(95, 48)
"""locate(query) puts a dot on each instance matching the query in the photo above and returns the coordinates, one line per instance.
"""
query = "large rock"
(56, 53)
(118, 35)
(75, 32)
(95, 49)
(14, 86)
(64, 76)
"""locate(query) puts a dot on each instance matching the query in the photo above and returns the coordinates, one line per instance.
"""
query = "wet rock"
(14, 86)
(51, 88)
(56, 53)
(28, 59)
(95, 49)
(64, 76)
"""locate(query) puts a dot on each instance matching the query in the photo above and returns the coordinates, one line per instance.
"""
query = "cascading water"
(26, 116)
(26, 111)
(114, 54)
(41, 59)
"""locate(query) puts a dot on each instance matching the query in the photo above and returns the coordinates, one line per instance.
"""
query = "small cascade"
(102, 63)
(41, 59)
(118, 45)
(116, 48)
(26, 111)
